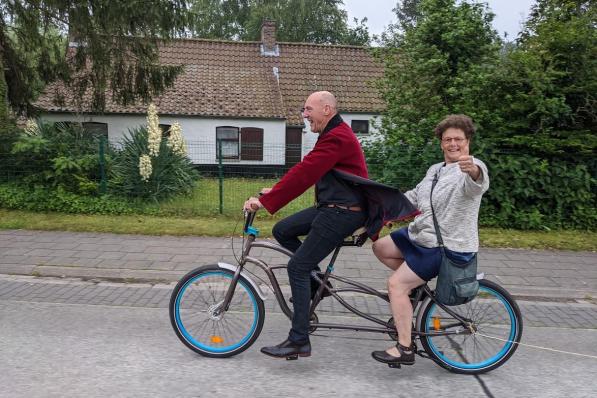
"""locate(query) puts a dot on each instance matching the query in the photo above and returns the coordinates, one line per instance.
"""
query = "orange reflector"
(217, 339)
(436, 323)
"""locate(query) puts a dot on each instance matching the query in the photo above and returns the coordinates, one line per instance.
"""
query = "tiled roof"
(233, 79)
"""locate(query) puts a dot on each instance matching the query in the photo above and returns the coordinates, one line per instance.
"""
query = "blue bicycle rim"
(487, 362)
(191, 339)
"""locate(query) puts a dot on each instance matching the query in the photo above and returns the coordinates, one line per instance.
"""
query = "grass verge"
(226, 226)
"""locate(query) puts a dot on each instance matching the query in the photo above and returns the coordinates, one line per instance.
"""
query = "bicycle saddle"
(357, 238)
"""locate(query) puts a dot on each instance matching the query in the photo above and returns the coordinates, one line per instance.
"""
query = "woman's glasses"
(456, 140)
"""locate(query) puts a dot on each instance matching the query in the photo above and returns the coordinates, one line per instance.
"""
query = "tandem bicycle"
(218, 310)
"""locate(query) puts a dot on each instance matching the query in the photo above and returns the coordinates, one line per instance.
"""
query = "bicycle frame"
(418, 296)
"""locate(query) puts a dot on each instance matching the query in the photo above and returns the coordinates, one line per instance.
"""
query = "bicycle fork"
(225, 305)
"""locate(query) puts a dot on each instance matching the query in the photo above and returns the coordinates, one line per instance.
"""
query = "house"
(249, 95)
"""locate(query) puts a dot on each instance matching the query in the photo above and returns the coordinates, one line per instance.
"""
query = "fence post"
(102, 165)
(221, 176)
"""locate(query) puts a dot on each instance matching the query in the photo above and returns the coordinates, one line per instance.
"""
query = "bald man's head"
(327, 98)
(320, 108)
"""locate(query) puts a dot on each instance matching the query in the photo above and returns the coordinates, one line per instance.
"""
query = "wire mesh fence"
(225, 174)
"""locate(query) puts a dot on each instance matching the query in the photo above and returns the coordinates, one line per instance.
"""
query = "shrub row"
(13, 196)
(526, 192)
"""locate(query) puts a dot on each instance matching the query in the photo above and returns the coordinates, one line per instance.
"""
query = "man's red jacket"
(336, 148)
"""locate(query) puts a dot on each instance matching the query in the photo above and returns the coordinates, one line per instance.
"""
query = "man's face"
(316, 113)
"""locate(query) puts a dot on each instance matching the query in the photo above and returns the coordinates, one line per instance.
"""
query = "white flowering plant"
(176, 141)
(150, 167)
(154, 133)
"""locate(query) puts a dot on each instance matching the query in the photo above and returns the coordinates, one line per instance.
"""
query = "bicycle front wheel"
(201, 323)
(486, 343)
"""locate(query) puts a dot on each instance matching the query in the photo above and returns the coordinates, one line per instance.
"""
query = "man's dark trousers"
(326, 228)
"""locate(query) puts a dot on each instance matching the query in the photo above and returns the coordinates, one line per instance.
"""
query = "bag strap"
(435, 224)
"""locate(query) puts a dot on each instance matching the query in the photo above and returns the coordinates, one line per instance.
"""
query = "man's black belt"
(351, 208)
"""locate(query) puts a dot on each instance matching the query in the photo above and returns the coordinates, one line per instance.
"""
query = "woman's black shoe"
(288, 349)
(407, 356)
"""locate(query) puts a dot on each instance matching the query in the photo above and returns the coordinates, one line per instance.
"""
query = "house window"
(251, 143)
(165, 128)
(95, 129)
(66, 124)
(360, 126)
(229, 137)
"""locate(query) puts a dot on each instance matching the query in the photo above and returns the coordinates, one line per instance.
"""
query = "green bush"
(171, 172)
(525, 192)
(14, 196)
(531, 193)
(57, 155)
(401, 166)
(8, 137)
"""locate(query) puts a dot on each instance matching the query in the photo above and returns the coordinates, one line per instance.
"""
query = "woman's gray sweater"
(456, 201)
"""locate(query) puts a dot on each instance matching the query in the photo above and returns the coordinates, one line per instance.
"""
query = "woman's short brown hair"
(461, 122)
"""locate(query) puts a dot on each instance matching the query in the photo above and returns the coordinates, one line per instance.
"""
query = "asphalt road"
(81, 350)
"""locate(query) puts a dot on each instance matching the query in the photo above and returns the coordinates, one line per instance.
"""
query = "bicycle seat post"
(330, 267)
(328, 271)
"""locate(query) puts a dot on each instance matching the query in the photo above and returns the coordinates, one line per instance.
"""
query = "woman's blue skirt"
(424, 261)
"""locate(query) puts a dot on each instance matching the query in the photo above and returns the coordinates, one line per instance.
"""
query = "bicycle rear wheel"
(197, 319)
(497, 328)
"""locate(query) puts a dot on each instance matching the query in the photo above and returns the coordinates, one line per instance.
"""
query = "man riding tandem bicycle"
(217, 310)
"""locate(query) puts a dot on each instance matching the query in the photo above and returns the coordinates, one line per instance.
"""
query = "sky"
(509, 14)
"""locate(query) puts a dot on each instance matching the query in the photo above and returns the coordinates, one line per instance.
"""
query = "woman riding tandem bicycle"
(414, 253)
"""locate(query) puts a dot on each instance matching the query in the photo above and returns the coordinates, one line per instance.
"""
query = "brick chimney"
(268, 39)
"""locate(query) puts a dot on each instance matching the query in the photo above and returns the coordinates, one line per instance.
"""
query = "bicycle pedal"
(292, 357)
(394, 365)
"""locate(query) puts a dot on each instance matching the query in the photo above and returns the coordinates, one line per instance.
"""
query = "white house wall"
(199, 133)
(309, 138)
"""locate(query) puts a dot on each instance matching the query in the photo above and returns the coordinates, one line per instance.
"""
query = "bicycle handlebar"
(250, 217)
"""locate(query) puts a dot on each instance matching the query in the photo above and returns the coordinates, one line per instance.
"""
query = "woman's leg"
(402, 281)
(388, 253)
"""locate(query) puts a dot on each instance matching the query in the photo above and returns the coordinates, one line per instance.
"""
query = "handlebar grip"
(250, 216)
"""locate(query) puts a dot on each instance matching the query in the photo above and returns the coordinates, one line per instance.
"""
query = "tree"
(442, 65)
(116, 48)
(219, 19)
(549, 83)
(312, 21)
(4, 115)
(438, 60)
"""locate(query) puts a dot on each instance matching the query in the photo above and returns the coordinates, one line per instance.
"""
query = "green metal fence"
(228, 173)
(225, 178)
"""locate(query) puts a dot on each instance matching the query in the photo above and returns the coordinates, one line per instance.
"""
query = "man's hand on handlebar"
(252, 204)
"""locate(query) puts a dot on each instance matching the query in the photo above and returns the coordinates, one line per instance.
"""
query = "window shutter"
(251, 143)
